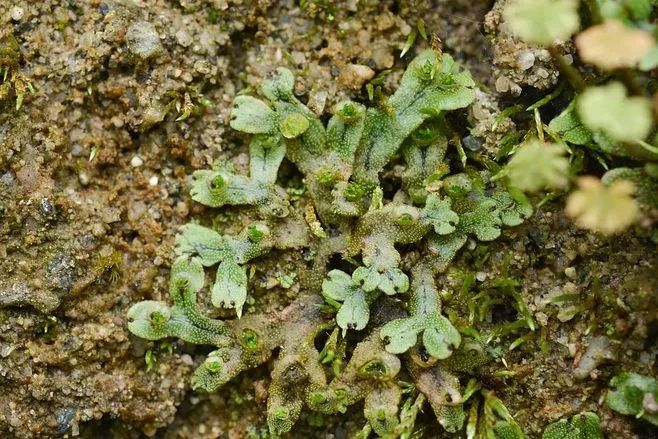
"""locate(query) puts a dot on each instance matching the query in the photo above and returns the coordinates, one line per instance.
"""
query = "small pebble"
(153, 181)
(502, 84)
(525, 59)
(143, 40)
(184, 38)
(17, 13)
(136, 161)
(83, 178)
(472, 143)
(355, 75)
(570, 272)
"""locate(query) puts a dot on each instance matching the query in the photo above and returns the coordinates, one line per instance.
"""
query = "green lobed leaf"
(230, 288)
(208, 245)
(400, 335)
(355, 312)
(440, 337)
(536, 166)
(628, 392)
(608, 108)
(438, 213)
(338, 285)
(484, 221)
(252, 115)
(542, 21)
(265, 156)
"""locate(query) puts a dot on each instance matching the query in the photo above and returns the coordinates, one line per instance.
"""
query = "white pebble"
(570, 272)
(184, 38)
(17, 13)
(502, 84)
(525, 59)
(153, 181)
(136, 161)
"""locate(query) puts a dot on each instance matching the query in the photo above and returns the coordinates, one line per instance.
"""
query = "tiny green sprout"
(425, 135)
(375, 369)
(327, 177)
(349, 112)
(213, 365)
(256, 232)
(318, 398)
(250, 338)
(217, 183)
(182, 282)
(354, 192)
(158, 320)
(280, 421)
(404, 220)
(542, 22)
(427, 70)
(294, 125)
(150, 358)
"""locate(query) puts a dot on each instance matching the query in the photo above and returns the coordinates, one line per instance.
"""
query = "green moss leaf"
(568, 125)
(513, 205)
(265, 156)
(338, 285)
(279, 85)
(208, 245)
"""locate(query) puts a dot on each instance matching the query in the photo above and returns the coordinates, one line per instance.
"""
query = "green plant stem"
(594, 11)
(570, 73)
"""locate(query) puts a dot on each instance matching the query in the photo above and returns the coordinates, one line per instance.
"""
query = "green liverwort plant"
(634, 394)
(581, 426)
(381, 307)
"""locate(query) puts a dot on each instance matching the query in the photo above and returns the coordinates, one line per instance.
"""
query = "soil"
(126, 98)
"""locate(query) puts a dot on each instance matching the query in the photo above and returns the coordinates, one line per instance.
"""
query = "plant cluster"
(609, 115)
(353, 212)
(385, 210)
